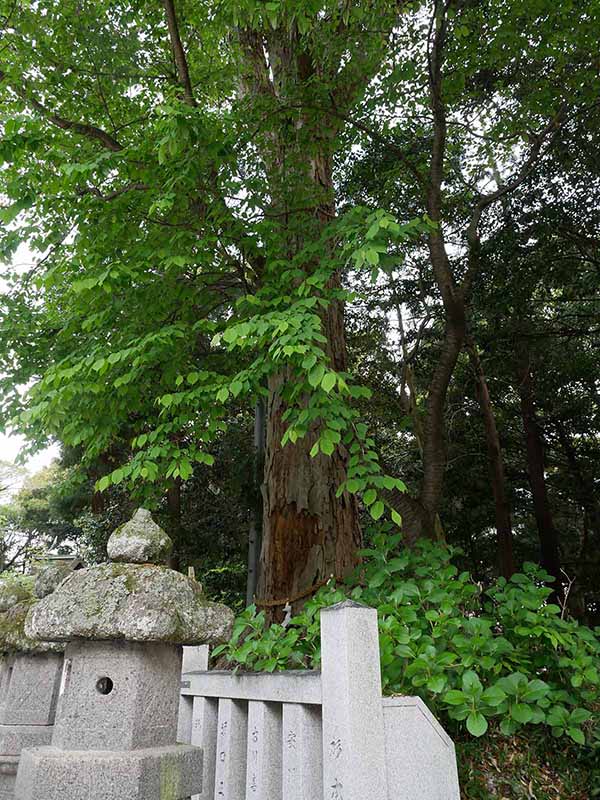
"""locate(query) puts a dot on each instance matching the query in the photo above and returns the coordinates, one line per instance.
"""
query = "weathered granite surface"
(168, 773)
(11, 593)
(139, 541)
(135, 602)
(16, 601)
(49, 578)
(13, 638)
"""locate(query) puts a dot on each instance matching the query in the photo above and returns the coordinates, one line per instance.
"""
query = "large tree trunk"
(549, 550)
(506, 562)
(309, 534)
(255, 531)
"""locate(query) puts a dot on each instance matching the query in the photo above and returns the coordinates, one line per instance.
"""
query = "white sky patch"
(11, 444)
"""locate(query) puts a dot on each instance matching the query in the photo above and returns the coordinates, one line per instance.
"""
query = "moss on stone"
(135, 602)
(13, 638)
(170, 780)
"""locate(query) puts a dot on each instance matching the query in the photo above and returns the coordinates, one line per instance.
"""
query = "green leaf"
(396, 518)
(437, 684)
(376, 510)
(369, 497)
(315, 376)
(328, 381)
(576, 734)
(493, 696)
(327, 447)
(103, 483)
(454, 697)
(223, 394)
(471, 683)
(235, 388)
(476, 724)
(521, 713)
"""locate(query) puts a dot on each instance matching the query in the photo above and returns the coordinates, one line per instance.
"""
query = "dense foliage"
(502, 653)
(284, 269)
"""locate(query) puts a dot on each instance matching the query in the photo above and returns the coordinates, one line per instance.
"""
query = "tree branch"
(130, 187)
(82, 128)
(179, 53)
(472, 232)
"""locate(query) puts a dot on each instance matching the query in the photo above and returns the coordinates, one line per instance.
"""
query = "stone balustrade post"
(354, 754)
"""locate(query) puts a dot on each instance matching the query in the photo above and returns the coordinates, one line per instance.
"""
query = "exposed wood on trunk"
(506, 562)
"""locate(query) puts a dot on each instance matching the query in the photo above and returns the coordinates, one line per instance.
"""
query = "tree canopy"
(377, 219)
(318, 281)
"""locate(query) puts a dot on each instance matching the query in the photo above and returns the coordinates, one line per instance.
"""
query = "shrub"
(471, 654)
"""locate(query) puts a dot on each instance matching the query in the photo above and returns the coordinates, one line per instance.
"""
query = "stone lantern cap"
(134, 601)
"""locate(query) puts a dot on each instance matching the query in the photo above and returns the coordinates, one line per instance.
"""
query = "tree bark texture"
(308, 533)
(549, 549)
(506, 561)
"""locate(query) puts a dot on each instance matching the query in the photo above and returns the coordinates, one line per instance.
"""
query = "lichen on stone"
(133, 602)
(13, 638)
(12, 591)
(49, 577)
(139, 541)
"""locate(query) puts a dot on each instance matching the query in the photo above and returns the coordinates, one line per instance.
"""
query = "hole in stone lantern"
(104, 685)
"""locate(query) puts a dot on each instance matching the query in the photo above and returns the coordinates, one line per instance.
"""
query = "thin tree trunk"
(506, 562)
(588, 559)
(420, 515)
(175, 531)
(549, 549)
(256, 526)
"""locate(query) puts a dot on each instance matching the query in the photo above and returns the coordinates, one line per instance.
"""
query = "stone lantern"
(29, 676)
(124, 623)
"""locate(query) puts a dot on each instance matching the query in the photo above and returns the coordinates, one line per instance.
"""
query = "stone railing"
(327, 735)
(101, 722)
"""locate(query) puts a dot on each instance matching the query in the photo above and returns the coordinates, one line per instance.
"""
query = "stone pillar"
(124, 623)
(29, 677)
(354, 766)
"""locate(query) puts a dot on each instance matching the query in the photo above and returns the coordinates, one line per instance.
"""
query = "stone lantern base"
(166, 773)
(30, 687)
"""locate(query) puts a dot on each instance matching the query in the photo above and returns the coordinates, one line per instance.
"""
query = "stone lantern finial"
(140, 541)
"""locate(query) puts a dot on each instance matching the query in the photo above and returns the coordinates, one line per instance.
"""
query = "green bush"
(472, 655)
